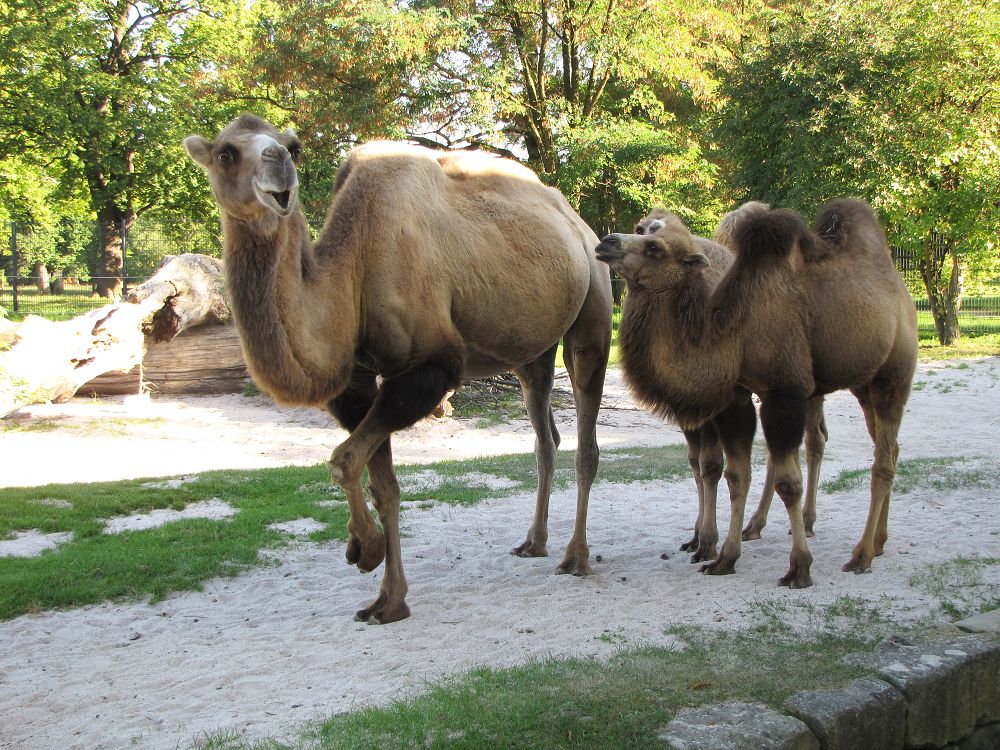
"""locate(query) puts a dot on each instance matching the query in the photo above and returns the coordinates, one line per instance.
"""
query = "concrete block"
(987, 622)
(984, 738)
(737, 726)
(951, 682)
(868, 714)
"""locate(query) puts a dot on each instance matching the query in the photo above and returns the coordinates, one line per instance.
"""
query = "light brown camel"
(432, 267)
(800, 313)
(705, 448)
(816, 432)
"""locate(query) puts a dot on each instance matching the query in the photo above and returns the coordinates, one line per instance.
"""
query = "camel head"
(251, 167)
(660, 255)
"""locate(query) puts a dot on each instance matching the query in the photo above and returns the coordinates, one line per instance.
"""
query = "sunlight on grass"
(947, 473)
(183, 554)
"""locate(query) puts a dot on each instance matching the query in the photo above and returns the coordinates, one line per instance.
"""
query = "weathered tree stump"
(50, 361)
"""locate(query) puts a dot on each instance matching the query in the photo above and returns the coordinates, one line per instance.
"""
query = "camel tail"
(771, 235)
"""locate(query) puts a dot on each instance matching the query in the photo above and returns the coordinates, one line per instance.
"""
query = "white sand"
(262, 653)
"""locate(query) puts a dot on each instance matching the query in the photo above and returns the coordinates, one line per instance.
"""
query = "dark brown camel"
(799, 314)
(432, 267)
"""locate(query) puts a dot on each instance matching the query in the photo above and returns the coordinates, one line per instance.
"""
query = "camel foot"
(577, 564)
(797, 576)
(858, 564)
(809, 533)
(367, 555)
(530, 548)
(690, 546)
(722, 566)
(383, 610)
(752, 531)
(704, 552)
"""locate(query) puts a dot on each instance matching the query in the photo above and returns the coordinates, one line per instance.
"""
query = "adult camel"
(431, 268)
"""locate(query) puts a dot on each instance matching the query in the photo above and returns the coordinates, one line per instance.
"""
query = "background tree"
(896, 102)
(94, 86)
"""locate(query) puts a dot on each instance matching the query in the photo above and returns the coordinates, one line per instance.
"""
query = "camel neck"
(678, 375)
(272, 281)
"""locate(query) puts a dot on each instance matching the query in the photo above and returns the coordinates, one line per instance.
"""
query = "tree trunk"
(944, 293)
(50, 361)
(108, 282)
(41, 274)
(57, 284)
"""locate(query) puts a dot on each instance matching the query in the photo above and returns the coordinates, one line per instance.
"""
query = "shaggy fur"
(790, 324)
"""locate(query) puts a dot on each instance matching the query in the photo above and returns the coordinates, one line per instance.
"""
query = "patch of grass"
(589, 704)
(943, 474)
(959, 585)
(970, 345)
(182, 555)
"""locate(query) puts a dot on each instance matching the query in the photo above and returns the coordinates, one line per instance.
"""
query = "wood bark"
(44, 360)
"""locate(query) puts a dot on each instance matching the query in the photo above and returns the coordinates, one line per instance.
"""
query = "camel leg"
(710, 463)
(883, 402)
(390, 605)
(399, 403)
(815, 438)
(693, 438)
(585, 353)
(736, 426)
(759, 519)
(783, 416)
(536, 385)
(365, 541)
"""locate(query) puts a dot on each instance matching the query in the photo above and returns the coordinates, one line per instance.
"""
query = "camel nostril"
(612, 239)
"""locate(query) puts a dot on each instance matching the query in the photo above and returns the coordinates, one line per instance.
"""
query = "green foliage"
(894, 102)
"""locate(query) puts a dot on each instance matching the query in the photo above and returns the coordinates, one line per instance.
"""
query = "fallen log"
(50, 361)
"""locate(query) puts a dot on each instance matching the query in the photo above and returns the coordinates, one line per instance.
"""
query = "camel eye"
(653, 250)
(227, 156)
(295, 151)
(639, 229)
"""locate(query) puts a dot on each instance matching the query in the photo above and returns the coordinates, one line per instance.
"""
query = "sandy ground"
(262, 653)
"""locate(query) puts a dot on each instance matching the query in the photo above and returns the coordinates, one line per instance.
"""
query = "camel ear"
(199, 149)
(696, 260)
(289, 133)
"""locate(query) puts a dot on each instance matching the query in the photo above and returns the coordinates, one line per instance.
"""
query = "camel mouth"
(279, 201)
(608, 254)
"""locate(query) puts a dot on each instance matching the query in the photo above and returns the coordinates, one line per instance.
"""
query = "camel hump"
(845, 221)
(771, 235)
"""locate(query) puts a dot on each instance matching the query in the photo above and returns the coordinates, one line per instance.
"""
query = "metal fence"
(73, 293)
(30, 288)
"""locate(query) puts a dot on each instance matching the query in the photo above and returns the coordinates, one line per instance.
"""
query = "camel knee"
(711, 470)
(789, 490)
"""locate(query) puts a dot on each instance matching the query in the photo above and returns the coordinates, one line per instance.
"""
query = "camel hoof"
(690, 546)
(703, 553)
(749, 534)
(529, 549)
(796, 579)
(382, 611)
(719, 567)
(575, 565)
(859, 563)
(366, 555)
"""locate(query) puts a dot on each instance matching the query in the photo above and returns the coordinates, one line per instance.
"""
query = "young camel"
(705, 448)
(432, 267)
(731, 430)
(799, 314)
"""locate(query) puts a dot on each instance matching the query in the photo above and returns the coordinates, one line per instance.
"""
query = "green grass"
(942, 474)
(182, 555)
(959, 585)
(588, 704)
(75, 301)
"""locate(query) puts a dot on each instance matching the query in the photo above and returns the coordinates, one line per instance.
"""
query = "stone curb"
(938, 688)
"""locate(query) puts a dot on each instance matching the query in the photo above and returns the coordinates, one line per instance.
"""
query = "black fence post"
(123, 233)
(13, 262)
